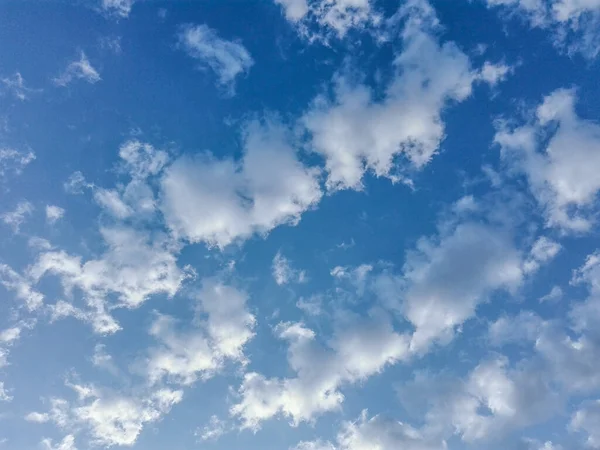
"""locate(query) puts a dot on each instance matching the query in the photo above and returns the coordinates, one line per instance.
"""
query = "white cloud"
(23, 289)
(16, 85)
(360, 348)
(557, 152)
(16, 218)
(555, 294)
(573, 24)
(284, 273)
(449, 276)
(542, 251)
(102, 359)
(54, 213)
(117, 8)
(78, 70)
(356, 134)
(376, 433)
(226, 327)
(586, 420)
(134, 266)
(228, 59)
(491, 402)
(294, 10)
(213, 430)
(37, 417)
(68, 443)
(494, 73)
(4, 395)
(267, 188)
(322, 19)
(12, 160)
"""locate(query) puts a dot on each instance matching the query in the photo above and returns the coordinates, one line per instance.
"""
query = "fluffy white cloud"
(449, 276)
(377, 433)
(294, 10)
(54, 213)
(228, 59)
(220, 201)
(587, 420)
(112, 418)
(80, 69)
(134, 267)
(557, 153)
(356, 133)
(186, 355)
(68, 443)
(284, 273)
(492, 401)
(16, 218)
(360, 348)
(14, 161)
(23, 289)
(542, 251)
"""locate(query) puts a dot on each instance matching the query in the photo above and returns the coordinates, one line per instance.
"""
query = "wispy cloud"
(80, 69)
(227, 59)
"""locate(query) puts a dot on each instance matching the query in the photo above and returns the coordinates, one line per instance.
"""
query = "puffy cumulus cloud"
(14, 161)
(356, 133)
(225, 327)
(112, 418)
(22, 287)
(18, 216)
(573, 23)
(219, 201)
(134, 266)
(360, 348)
(68, 443)
(449, 276)
(80, 69)
(228, 59)
(284, 273)
(54, 213)
(586, 420)
(557, 152)
(492, 401)
(377, 433)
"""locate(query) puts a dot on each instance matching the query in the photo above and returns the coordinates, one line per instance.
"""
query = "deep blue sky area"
(299, 224)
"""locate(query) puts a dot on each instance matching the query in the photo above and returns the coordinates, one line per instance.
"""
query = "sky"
(300, 224)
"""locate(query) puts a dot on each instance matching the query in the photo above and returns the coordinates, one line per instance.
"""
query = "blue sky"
(300, 224)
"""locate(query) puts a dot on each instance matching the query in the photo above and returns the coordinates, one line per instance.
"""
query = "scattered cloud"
(228, 59)
(22, 287)
(54, 213)
(267, 188)
(80, 69)
(14, 161)
(4, 395)
(213, 430)
(68, 443)
(15, 85)
(16, 218)
(116, 8)
(284, 273)
(356, 134)
(585, 420)
(556, 152)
